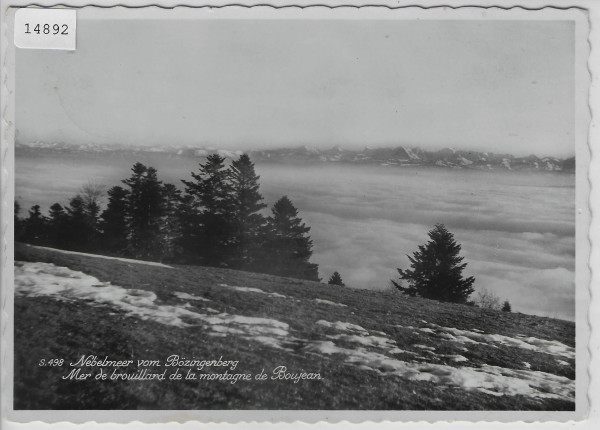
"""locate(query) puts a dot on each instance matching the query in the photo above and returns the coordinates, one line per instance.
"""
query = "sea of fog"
(517, 230)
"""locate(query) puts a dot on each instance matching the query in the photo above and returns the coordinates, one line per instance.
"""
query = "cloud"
(517, 231)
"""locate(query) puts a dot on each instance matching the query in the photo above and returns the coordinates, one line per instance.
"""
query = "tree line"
(217, 220)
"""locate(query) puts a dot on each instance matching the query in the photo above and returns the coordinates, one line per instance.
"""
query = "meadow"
(370, 349)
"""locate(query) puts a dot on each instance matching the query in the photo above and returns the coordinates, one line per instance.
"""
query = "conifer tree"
(170, 226)
(246, 204)
(58, 226)
(336, 279)
(113, 222)
(506, 307)
(211, 190)
(34, 227)
(145, 208)
(80, 232)
(18, 223)
(189, 240)
(436, 270)
(288, 247)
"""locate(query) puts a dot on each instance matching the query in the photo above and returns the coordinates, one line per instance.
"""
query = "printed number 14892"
(46, 29)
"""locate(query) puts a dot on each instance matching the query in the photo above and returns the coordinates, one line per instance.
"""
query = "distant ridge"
(399, 156)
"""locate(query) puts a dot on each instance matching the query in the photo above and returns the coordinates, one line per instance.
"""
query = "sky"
(500, 86)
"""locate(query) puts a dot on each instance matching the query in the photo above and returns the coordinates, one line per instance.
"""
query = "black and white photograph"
(285, 209)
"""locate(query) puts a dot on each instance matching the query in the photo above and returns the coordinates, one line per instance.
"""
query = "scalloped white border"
(591, 8)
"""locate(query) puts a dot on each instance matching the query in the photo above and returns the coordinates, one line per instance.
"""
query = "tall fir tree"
(211, 192)
(170, 224)
(288, 247)
(247, 221)
(145, 208)
(336, 279)
(189, 241)
(436, 270)
(113, 222)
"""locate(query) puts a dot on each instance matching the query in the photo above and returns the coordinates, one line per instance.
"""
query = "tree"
(246, 204)
(288, 248)
(145, 209)
(91, 194)
(170, 226)
(506, 307)
(113, 221)
(436, 270)
(18, 225)
(58, 225)
(34, 227)
(336, 279)
(188, 242)
(211, 191)
(80, 232)
(486, 299)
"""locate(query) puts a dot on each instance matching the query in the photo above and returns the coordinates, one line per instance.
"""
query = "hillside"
(358, 349)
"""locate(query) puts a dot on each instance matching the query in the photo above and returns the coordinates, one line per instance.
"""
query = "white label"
(45, 28)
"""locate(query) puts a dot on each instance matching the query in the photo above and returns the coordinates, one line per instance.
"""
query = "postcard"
(278, 214)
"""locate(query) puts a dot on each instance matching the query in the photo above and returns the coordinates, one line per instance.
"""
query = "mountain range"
(399, 156)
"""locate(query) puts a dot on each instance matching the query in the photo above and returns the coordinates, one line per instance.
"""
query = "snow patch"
(186, 296)
(327, 302)
(62, 283)
(253, 290)
(425, 347)
(373, 341)
(411, 154)
(552, 347)
(464, 161)
(343, 326)
(493, 380)
(85, 254)
(456, 358)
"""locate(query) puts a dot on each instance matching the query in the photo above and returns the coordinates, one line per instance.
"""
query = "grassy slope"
(45, 327)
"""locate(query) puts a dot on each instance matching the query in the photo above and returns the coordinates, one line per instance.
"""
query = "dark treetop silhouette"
(436, 270)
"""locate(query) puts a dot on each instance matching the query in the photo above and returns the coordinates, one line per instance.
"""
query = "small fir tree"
(336, 279)
(436, 270)
(506, 307)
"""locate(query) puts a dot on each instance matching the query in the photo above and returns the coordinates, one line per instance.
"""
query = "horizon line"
(210, 147)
